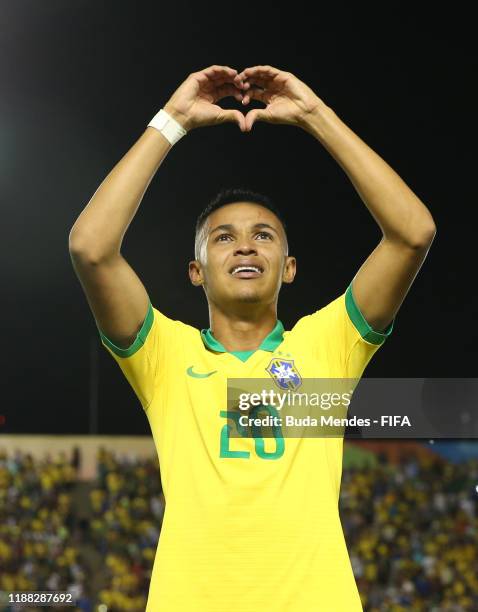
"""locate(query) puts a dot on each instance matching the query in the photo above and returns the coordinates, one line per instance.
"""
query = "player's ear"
(195, 273)
(290, 269)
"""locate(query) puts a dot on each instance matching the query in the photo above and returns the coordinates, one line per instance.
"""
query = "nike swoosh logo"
(190, 372)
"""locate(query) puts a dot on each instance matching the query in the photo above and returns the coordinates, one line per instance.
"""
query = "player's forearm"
(98, 232)
(399, 212)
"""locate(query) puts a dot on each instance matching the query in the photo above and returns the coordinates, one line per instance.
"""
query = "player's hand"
(194, 103)
(287, 99)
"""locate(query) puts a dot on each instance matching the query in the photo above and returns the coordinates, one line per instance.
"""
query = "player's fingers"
(233, 115)
(225, 91)
(256, 93)
(217, 72)
(258, 71)
(259, 81)
(258, 114)
(274, 85)
(209, 82)
(212, 87)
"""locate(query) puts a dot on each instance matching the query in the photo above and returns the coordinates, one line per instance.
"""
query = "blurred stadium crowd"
(411, 530)
(412, 534)
(38, 540)
(128, 507)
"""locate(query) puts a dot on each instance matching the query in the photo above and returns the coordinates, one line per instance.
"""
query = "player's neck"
(243, 331)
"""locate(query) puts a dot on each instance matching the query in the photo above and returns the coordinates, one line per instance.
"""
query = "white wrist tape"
(169, 127)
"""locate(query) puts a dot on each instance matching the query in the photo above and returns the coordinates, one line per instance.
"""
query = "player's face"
(245, 256)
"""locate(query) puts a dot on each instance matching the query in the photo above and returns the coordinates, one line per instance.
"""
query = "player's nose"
(245, 244)
(245, 248)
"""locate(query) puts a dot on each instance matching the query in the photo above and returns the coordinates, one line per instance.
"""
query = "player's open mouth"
(246, 271)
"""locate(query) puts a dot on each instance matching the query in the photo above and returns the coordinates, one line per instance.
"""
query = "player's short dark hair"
(234, 194)
(231, 195)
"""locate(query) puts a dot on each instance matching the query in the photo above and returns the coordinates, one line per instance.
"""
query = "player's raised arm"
(116, 295)
(408, 229)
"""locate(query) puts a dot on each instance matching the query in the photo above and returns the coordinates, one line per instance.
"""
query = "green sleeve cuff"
(361, 324)
(140, 337)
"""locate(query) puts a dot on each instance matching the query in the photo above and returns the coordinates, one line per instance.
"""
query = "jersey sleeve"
(340, 333)
(143, 361)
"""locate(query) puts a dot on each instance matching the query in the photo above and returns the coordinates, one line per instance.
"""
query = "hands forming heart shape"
(287, 99)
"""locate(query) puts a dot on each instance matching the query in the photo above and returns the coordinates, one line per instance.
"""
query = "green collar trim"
(270, 342)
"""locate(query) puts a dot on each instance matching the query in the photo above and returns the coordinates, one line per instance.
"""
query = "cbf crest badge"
(284, 373)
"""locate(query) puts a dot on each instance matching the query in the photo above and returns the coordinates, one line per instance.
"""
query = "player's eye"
(223, 237)
(264, 235)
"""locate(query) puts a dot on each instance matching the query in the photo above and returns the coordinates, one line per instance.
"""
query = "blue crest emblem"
(284, 373)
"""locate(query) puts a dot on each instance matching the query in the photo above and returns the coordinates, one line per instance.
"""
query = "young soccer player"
(250, 524)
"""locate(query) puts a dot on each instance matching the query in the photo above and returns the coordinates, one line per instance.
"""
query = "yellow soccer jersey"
(246, 528)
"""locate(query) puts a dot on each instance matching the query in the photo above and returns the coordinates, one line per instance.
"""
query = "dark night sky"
(80, 80)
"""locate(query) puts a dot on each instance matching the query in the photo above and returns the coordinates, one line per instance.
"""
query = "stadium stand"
(410, 521)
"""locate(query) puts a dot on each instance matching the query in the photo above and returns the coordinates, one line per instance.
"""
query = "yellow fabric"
(245, 534)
